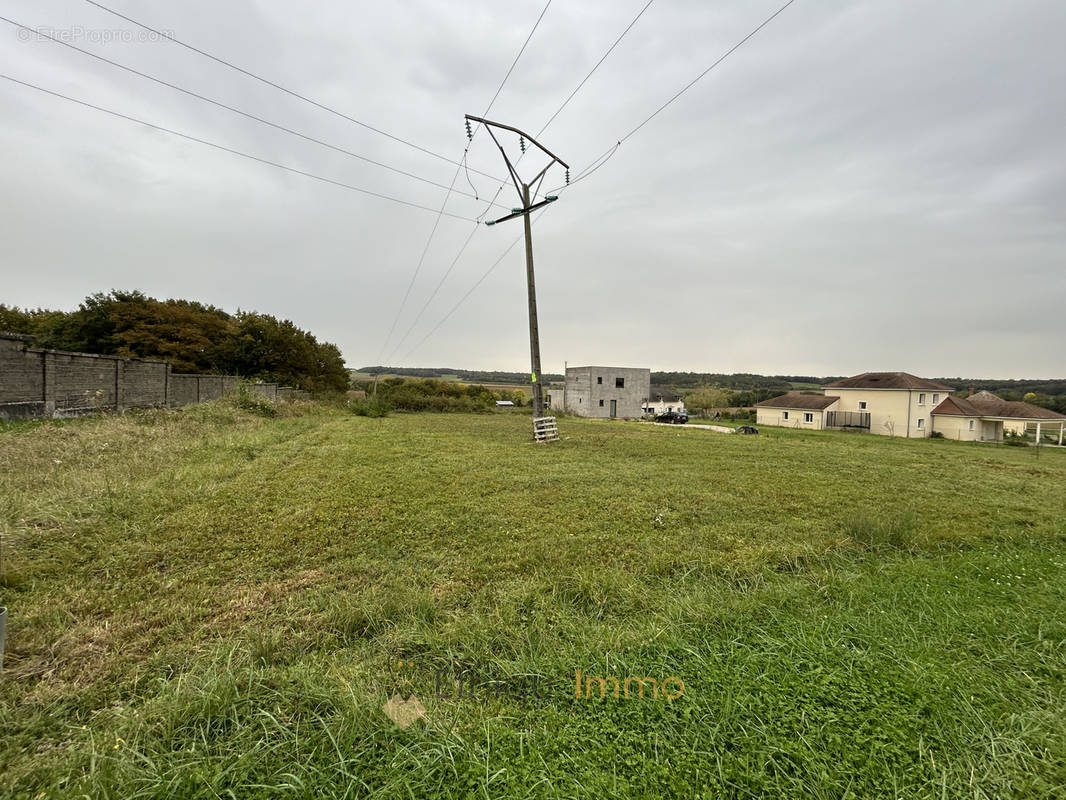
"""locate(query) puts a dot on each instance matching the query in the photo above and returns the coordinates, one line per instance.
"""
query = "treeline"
(428, 394)
(737, 380)
(466, 375)
(194, 337)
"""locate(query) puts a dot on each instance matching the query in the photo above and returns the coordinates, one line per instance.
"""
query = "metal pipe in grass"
(3, 630)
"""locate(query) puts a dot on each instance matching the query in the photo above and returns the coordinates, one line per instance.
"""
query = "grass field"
(213, 604)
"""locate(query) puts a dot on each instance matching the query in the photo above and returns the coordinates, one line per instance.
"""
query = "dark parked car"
(747, 429)
(673, 417)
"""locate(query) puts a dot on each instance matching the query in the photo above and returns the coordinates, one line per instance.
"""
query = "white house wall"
(776, 416)
(893, 412)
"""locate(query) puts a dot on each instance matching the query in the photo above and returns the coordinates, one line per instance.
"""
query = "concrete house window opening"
(921, 423)
(619, 383)
(921, 398)
(784, 415)
(808, 417)
(599, 379)
(601, 404)
(971, 424)
(862, 405)
(936, 399)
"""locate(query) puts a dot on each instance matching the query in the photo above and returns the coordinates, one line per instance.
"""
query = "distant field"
(213, 604)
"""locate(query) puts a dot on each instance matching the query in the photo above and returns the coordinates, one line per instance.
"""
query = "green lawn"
(210, 604)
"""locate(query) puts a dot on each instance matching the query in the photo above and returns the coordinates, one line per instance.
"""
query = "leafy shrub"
(426, 394)
(372, 406)
(244, 397)
(936, 435)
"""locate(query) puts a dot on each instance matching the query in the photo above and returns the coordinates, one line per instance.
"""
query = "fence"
(848, 419)
(51, 383)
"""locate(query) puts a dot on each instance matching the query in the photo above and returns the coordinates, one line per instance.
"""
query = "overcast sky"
(862, 186)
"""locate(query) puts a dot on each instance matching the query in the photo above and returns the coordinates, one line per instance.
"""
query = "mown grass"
(211, 604)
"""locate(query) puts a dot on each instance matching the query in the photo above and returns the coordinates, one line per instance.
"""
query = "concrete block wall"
(183, 390)
(46, 383)
(267, 390)
(83, 382)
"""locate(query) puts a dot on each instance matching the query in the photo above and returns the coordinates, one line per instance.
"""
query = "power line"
(499, 189)
(469, 292)
(606, 155)
(433, 231)
(611, 150)
(440, 283)
(226, 149)
(596, 67)
(222, 105)
(170, 37)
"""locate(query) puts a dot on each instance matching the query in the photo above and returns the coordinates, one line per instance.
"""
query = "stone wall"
(51, 383)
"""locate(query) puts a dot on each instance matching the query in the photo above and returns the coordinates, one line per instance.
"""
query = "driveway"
(716, 428)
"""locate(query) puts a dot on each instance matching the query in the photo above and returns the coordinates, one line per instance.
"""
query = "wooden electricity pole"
(523, 189)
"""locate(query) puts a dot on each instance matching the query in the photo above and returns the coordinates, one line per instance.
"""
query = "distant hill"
(464, 375)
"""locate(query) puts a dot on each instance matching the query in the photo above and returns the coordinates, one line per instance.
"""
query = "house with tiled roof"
(901, 404)
(794, 409)
(983, 417)
(662, 400)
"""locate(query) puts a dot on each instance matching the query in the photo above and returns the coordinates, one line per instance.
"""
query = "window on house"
(862, 405)
(936, 399)
(921, 399)
(601, 404)
(971, 424)
(784, 415)
(619, 383)
(921, 424)
(808, 417)
(599, 380)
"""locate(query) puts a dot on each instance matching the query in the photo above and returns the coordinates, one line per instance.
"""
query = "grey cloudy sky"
(862, 186)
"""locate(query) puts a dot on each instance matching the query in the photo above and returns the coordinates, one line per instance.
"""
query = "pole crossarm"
(522, 211)
(542, 148)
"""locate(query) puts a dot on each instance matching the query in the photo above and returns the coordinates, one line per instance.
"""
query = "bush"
(244, 397)
(426, 394)
(936, 435)
(372, 406)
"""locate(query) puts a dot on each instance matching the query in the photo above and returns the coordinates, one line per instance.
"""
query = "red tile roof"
(1012, 409)
(797, 400)
(888, 380)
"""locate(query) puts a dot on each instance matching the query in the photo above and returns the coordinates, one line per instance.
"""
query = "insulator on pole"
(522, 143)
(567, 176)
(469, 133)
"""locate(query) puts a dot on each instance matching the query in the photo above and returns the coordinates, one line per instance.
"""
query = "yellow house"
(982, 417)
(901, 404)
(897, 403)
(794, 410)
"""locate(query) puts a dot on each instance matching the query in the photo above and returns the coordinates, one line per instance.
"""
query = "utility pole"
(523, 189)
